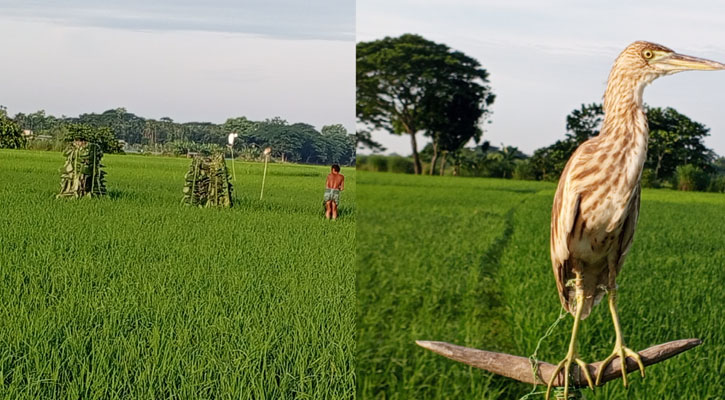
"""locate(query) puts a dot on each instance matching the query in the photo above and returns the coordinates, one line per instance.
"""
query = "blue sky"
(547, 58)
(188, 60)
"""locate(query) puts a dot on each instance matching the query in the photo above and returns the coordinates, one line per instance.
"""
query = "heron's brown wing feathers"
(630, 224)
(564, 214)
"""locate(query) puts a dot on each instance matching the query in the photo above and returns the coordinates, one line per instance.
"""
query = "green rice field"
(466, 261)
(136, 296)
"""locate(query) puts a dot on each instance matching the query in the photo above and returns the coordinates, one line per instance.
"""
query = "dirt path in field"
(491, 262)
(499, 315)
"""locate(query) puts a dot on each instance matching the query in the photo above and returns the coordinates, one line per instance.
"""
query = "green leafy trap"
(82, 175)
(207, 184)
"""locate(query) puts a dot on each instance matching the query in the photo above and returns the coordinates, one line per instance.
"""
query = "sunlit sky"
(188, 60)
(547, 58)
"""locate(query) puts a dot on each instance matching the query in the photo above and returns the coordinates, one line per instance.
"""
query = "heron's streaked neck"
(623, 112)
(625, 125)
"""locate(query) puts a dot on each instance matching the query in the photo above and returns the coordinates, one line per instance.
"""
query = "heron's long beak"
(681, 62)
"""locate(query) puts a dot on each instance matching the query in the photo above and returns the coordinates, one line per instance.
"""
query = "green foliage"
(206, 183)
(361, 161)
(11, 135)
(363, 139)
(690, 177)
(409, 84)
(291, 142)
(102, 136)
(674, 139)
(420, 276)
(401, 165)
(122, 124)
(40, 123)
(81, 175)
(378, 163)
(141, 298)
(584, 123)
(336, 145)
(649, 180)
(302, 143)
(241, 126)
(46, 145)
(581, 124)
(524, 170)
(500, 163)
(183, 147)
(717, 184)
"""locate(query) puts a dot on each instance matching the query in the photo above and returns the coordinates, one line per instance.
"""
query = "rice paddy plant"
(150, 299)
(422, 283)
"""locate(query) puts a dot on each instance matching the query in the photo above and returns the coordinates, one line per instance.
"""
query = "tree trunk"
(659, 163)
(443, 163)
(434, 158)
(416, 158)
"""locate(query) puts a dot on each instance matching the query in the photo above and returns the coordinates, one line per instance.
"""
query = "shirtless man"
(334, 185)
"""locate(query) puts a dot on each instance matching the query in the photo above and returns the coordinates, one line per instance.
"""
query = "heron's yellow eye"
(648, 54)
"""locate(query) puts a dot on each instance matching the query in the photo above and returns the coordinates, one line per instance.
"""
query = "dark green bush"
(690, 177)
(401, 165)
(649, 181)
(100, 135)
(361, 162)
(717, 184)
(11, 136)
(524, 171)
(378, 163)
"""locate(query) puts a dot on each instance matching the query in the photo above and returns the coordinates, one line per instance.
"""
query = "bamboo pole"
(264, 176)
(234, 171)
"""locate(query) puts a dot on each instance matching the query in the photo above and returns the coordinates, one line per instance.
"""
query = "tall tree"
(675, 140)
(404, 83)
(11, 135)
(241, 126)
(335, 144)
(453, 117)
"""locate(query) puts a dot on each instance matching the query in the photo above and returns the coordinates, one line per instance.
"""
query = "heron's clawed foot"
(622, 352)
(565, 365)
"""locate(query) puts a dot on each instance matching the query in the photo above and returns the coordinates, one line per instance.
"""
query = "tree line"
(409, 85)
(296, 142)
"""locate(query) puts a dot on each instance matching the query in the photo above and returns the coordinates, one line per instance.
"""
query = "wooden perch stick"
(519, 368)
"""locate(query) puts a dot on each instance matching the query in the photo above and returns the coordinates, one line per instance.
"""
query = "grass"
(136, 296)
(467, 261)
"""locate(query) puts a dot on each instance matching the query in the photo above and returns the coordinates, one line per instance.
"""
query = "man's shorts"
(332, 194)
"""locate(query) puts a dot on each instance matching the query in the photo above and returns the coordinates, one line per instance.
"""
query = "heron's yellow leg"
(572, 356)
(620, 350)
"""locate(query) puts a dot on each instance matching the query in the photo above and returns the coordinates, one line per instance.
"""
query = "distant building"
(28, 133)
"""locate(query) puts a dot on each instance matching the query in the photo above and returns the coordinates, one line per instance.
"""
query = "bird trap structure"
(82, 176)
(207, 182)
(535, 372)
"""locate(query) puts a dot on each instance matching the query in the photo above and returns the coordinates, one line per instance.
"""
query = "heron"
(596, 206)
